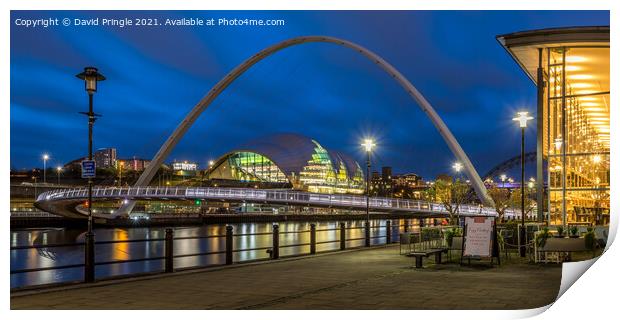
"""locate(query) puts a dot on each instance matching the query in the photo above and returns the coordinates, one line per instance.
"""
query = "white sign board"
(478, 236)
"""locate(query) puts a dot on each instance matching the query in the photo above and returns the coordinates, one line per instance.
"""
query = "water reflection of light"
(123, 251)
(120, 249)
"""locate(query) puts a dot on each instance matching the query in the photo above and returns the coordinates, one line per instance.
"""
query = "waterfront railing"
(229, 249)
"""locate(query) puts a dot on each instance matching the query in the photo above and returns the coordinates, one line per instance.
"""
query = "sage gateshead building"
(290, 159)
(570, 69)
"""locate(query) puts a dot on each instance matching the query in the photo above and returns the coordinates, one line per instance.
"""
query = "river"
(60, 256)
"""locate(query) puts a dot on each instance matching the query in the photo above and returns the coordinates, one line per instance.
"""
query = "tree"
(501, 198)
(450, 193)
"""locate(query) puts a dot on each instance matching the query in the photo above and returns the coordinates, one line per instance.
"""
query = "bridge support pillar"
(229, 245)
(312, 238)
(276, 242)
(343, 236)
(169, 251)
(406, 227)
(388, 232)
(421, 223)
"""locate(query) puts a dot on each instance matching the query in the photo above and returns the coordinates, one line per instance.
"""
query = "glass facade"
(249, 167)
(321, 172)
(575, 137)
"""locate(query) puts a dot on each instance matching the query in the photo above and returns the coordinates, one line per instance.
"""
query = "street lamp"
(45, 158)
(58, 170)
(503, 178)
(91, 76)
(120, 173)
(522, 118)
(368, 145)
(457, 166)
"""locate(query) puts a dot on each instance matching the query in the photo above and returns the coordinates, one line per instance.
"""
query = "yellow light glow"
(580, 76)
(581, 85)
(576, 59)
(588, 98)
(596, 159)
(572, 68)
(585, 92)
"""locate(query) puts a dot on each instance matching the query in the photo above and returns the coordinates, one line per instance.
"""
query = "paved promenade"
(364, 279)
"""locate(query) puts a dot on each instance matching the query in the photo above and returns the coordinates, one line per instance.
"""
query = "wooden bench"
(419, 255)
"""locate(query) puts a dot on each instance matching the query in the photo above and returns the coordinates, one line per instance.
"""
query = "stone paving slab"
(376, 278)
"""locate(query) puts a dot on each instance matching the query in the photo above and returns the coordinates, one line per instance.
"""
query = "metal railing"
(229, 248)
(258, 195)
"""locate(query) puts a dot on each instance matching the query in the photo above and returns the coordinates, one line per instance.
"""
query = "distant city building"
(184, 168)
(410, 180)
(105, 158)
(135, 164)
(382, 184)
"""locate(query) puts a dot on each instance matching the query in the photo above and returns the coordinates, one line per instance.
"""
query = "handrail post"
(367, 233)
(276, 242)
(388, 232)
(229, 244)
(343, 236)
(406, 228)
(312, 238)
(89, 257)
(169, 251)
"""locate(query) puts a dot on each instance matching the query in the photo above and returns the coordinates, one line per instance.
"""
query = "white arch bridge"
(68, 202)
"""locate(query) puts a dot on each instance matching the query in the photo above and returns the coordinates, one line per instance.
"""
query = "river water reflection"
(290, 233)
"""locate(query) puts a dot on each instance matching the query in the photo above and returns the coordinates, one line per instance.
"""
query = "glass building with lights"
(291, 159)
(570, 68)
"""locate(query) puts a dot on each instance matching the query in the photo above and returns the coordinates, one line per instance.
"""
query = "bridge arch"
(202, 105)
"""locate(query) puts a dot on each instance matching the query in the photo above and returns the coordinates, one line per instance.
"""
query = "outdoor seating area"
(562, 245)
(429, 242)
(559, 245)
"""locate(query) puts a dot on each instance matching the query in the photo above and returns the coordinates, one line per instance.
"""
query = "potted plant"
(451, 233)
(573, 232)
(541, 237)
(560, 230)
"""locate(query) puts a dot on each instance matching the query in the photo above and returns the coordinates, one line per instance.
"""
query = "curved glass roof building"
(294, 159)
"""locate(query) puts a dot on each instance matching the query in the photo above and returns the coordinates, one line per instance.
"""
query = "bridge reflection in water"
(291, 233)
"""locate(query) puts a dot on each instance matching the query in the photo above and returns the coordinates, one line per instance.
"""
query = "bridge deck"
(66, 201)
(365, 279)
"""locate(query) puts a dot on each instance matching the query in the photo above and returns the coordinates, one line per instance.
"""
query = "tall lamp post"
(522, 118)
(45, 158)
(90, 75)
(58, 170)
(457, 166)
(368, 145)
(503, 178)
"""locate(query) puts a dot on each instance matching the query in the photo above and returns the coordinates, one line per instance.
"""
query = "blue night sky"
(330, 93)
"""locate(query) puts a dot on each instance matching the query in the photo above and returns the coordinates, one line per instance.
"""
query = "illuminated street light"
(596, 159)
(457, 166)
(368, 145)
(45, 158)
(91, 76)
(503, 178)
(58, 170)
(522, 118)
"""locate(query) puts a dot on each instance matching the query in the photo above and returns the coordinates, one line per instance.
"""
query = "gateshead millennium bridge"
(69, 202)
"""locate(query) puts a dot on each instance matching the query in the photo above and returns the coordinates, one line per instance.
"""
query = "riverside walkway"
(377, 278)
